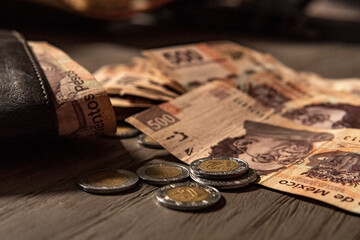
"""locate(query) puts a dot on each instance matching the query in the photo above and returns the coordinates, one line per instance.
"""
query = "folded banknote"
(82, 106)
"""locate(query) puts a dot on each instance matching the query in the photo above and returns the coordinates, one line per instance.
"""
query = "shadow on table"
(43, 166)
(54, 166)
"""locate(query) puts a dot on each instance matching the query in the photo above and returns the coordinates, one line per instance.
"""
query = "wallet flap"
(26, 101)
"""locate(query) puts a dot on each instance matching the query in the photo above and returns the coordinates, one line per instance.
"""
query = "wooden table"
(39, 198)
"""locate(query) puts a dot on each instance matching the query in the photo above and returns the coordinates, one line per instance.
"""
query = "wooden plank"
(40, 200)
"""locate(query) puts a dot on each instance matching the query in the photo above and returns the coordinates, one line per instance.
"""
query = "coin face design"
(163, 173)
(188, 194)
(108, 181)
(219, 167)
(147, 141)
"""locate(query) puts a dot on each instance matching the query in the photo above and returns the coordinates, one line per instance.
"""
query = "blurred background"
(98, 32)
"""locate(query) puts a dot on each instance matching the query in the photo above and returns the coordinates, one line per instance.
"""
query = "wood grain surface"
(39, 198)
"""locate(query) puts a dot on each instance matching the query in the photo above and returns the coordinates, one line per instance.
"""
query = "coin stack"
(223, 173)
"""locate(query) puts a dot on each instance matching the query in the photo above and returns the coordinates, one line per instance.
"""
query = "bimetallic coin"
(163, 173)
(224, 184)
(188, 196)
(124, 132)
(148, 141)
(219, 167)
(108, 181)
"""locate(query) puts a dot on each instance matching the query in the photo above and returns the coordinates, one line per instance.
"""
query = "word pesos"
(95, 114)
(95, 121)
(76, 80)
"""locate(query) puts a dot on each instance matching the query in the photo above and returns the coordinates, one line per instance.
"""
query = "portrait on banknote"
(335, 166)
(268, 96)
(269, 148)
(326, 115)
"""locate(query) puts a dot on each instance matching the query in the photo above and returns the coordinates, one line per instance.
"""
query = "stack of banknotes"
(136, 86)
(168, 72)
(300, 132)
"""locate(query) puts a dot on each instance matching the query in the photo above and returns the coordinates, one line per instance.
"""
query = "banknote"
(258, 74)
(305, 98)
(345, 85)
(151, 70)
(218, 120)
(270, 81)
(127, 102)
(134, 86)
(191, 65)
(195, 64)
(247, 60)
(144, 93)
(127, 83)
(255, 68)
(82, 106)
(308, 104)
(123, 77)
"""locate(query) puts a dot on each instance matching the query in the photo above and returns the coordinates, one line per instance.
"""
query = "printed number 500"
(160, 122)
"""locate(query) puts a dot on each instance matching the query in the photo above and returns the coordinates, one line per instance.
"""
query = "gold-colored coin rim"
(141, 140)
(88, 187)
(184, 173)
(165, 201)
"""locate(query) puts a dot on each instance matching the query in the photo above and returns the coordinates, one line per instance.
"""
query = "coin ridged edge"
(197, 171)
(238, 182)
(141, 140)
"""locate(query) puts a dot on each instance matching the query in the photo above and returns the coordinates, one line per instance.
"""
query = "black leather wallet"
(27, 106)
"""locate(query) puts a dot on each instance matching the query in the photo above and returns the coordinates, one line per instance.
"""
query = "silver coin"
(219, 167)
(163, 173)
(108, 181)
(147, 141)
(224, 184)
(124, 132)
(187, 196)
